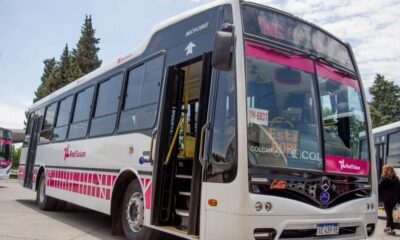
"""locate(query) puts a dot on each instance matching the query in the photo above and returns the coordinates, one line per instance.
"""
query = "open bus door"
(32, 147)
(177, 175)
(380, 157)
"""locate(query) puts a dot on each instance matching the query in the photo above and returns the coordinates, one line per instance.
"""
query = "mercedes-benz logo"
(325, 184)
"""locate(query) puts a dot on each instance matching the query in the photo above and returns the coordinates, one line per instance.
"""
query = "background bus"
(5, 153)
(232, 121)
(387, 146)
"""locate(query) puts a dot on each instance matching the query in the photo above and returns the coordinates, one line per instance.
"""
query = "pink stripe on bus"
(269, 54)
(335, 75)
(5, 141)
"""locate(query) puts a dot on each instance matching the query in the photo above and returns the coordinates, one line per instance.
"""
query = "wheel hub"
(135, 212)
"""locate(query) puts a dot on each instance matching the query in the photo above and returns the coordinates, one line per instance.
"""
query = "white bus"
(231, 121)
(387, 146)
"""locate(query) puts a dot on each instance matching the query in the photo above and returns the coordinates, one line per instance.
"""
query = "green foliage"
(385, 104)
(72, 65)
(43, 89)
(85, 54)
(16, 153)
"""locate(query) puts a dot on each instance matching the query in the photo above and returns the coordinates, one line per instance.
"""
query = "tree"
(43, 89)
(385, 103)
(71, 65)
(85, 54)
(16, 153)
(65, 72)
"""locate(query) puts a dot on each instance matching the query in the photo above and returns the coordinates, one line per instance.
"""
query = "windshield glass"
(281, 118)
(5, 150)
(344, 122)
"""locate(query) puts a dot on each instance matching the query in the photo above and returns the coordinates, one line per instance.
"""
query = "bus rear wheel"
(43, 201)
(133, 213)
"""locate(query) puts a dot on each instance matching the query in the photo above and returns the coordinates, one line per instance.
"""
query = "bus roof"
(131, 55)
(388, 127)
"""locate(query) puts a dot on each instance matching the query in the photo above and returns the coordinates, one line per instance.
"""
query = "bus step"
(183, 176)
(184, 194)
(181, 212)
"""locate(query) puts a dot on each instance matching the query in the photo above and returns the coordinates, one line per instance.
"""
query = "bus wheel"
(133, 213)
(43, 201)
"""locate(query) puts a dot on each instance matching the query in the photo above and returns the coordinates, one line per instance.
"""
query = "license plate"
(327, 229)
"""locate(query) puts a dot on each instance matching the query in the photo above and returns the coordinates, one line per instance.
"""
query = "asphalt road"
(20, 219)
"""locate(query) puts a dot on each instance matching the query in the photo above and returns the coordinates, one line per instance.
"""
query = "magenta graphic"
(340, 164)
(68, 153)
(267, 53)
(5, 163)
(334, 75)
(5, 142)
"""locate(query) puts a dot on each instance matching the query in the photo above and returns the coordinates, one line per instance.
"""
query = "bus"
(387, 146)
(5, 153)
(233, 120)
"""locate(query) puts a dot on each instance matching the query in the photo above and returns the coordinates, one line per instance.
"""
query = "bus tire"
(60, 205)
(133, 213)
(43, 201)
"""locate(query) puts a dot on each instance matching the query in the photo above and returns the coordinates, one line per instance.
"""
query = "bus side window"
(80, 119)
(393, 156)
(47, 127)
(106, 109)
(139, 109)
(62, 120)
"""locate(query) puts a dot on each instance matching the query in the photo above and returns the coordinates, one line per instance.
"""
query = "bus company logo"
(351, 166)
(324, 197)
(325, 184)
(68, 153)
(278, 184)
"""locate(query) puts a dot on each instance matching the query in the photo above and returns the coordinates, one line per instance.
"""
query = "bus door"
(30, 159)
(380, 157)
(177, 171)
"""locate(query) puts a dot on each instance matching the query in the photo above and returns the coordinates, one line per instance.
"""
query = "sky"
(31, 31)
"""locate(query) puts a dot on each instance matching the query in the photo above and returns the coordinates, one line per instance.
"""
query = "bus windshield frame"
(286, 122)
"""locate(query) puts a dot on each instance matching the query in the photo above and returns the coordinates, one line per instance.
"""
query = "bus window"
(106, 108)
(142, 93)
(393, 157)
(224, 141)
(79, 125)
(281, 112)
(48, 123)
(64, 112)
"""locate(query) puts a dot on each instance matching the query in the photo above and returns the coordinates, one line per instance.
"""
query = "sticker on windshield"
(257, 116)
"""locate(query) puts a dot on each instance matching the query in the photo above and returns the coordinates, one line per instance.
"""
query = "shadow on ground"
(80, 218)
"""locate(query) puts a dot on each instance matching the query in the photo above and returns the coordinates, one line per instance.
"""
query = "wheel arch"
(42, 170)
(125, 176)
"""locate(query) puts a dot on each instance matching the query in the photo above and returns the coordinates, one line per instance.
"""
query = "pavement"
(20, 219)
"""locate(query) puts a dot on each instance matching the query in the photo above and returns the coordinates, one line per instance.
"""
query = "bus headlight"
(258, 206)
(268, 206)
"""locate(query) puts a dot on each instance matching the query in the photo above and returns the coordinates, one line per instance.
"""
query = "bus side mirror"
(223, 50)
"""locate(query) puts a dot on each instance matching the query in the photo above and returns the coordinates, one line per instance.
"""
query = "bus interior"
(177, 198)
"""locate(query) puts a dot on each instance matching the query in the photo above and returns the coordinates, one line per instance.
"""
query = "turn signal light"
(212, 202)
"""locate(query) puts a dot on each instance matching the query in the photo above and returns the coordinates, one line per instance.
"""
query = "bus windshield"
(282, 117)
(5, 150)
